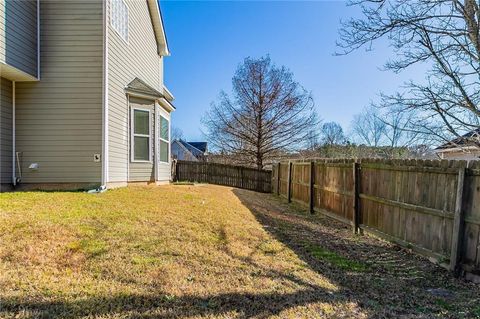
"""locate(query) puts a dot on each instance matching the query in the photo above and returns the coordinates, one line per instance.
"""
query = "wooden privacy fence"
(221, 174)
(432, 207)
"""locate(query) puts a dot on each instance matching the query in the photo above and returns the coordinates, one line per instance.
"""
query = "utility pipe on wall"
(14, 156)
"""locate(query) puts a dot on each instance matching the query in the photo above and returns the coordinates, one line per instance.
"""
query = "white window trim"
(132, 135)
(128, 22)
(161, 139)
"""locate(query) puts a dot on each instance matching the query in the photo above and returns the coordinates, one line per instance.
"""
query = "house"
(83, 100)
(189, 151)
(466, 147)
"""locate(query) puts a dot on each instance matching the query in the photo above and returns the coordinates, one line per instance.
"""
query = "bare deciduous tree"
(267, 112)
(332, 134)
(176, 133)
(312, 139)
(398, 131)
(368, 128)
(443, 34)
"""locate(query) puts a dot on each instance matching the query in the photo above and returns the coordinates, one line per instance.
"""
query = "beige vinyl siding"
(6, 127)
(59, 119)
(18, 34)
(137, 58)
(143, 171)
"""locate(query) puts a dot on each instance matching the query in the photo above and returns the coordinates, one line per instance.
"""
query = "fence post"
(242, 183)
(356, 198)
(312, 189)
(278, 178)
(289, 183)
(457, 234)
(174, 170)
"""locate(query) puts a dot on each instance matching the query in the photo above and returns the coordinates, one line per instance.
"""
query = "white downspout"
(14, 156)
(105, 98)
(38, 39)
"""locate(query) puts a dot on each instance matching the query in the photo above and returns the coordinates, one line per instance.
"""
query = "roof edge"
(180, 142)
(147, 90)
(157, 21)
(168, 95)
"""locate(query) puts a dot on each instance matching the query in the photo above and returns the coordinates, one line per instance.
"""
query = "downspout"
(38, 39)
(105, 98)
(14, 154)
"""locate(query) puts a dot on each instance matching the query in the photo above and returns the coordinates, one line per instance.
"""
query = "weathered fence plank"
(356, 198)
(311, 189)
(278, 179)
(458, 222)
(289, 182)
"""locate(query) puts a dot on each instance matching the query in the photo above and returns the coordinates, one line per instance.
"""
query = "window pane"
(163, 128)
(141, 149)
(119, 18)
(141, 125)
(163, 151)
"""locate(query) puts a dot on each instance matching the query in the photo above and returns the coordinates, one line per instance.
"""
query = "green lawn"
(205, 252)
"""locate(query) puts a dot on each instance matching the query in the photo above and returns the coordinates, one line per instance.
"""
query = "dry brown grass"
(203, 252)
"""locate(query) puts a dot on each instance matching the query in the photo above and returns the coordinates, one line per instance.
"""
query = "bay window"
(141, 136)
(164, 140)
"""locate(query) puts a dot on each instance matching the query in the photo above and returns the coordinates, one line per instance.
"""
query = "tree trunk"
(259, 161)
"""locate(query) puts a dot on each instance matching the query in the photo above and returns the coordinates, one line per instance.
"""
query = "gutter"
(167, 94)
(166, 104)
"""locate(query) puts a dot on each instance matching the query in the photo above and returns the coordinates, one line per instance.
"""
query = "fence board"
(411, 202)
(221, 174)
(471, 235)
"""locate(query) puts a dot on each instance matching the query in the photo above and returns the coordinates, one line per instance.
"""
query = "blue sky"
(208, 40)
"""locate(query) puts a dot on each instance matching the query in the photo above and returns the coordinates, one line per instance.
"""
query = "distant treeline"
(332, 151)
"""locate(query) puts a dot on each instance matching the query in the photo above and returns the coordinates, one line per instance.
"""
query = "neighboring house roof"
(187, 146)
(140, 87)
(468, 140)
(157, 21)
(202, 146)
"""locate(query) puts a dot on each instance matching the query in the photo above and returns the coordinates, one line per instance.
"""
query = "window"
(164, 139)
(119, 18)
(141, 145)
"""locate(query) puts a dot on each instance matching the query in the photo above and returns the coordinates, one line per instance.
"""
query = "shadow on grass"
(159, 304)
(384, 280)
(165, 306)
